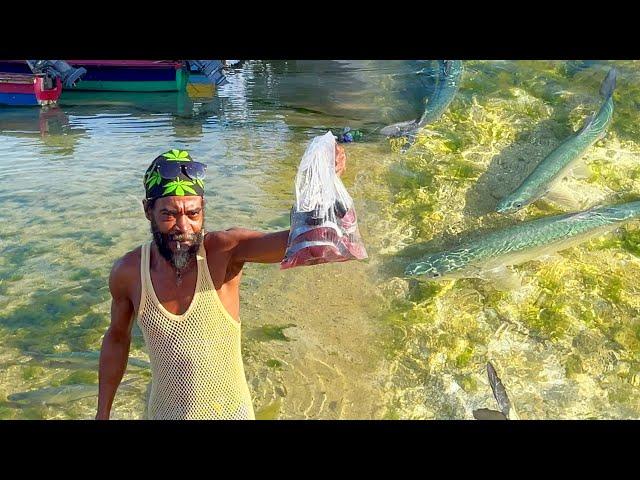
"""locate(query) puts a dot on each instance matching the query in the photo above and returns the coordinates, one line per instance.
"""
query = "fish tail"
(499, 392)
(446, 67)
(609, 83)
(599, 122)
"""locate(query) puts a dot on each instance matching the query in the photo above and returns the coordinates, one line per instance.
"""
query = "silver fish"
(522, 242)
(559, 163)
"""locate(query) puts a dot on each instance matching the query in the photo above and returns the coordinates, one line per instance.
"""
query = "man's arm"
(116, 342)
(259, 247)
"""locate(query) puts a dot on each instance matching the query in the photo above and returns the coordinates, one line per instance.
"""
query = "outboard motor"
(212, 69)
(58, 68)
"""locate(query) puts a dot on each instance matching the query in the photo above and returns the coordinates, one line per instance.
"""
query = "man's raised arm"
(258, 247)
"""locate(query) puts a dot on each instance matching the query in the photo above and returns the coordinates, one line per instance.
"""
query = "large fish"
(487, 256)
(506, 412)
(446, 87)
(561, 161)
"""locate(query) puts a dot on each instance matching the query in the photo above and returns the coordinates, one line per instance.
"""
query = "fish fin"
(399, 129)
(486, 414)
(502, 278)
(563, 197)
(581, 170)
(550, 257)
(587, 123)
(609, 83)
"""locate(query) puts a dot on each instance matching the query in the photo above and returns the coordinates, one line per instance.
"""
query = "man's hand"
(341, 160)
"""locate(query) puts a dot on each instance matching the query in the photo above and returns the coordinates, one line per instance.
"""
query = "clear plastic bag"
(324, 226)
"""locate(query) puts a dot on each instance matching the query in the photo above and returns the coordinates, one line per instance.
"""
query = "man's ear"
(146, 210)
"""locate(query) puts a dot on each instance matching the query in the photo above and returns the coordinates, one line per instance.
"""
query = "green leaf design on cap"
(200, 182)
(177, 156)
(179, 187)
(153, 179)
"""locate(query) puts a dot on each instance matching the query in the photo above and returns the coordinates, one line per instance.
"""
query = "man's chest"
(177, 296)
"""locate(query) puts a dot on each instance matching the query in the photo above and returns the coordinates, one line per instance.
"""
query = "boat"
(132, 75)
(127, 75)
(120, 75)
(28, 89)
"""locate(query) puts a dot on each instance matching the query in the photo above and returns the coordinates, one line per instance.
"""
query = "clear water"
(350, 340)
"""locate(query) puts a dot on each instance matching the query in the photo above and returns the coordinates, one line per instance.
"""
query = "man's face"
(177, 225)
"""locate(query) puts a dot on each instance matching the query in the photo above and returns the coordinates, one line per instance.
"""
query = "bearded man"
(183, 289)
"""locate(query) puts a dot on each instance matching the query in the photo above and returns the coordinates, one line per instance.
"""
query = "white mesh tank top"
(196, 363)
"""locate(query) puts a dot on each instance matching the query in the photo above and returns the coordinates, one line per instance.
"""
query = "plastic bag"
(324, 227)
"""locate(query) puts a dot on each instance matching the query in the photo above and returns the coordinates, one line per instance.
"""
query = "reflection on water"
(358, 92)
(350, 340)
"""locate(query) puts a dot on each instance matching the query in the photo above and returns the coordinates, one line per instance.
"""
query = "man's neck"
(165, 267)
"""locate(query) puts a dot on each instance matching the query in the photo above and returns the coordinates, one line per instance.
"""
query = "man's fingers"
(341, 159)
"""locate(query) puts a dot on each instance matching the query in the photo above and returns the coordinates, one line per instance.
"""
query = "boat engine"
(212, 69)
(58, 68)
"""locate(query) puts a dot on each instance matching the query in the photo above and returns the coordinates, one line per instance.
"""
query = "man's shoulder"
(221, 240)
(128, 263)
(125, 273)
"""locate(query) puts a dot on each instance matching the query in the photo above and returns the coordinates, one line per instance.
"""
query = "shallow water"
(350, 340)
(566, 343)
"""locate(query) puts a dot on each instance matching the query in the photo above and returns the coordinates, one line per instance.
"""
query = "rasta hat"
(174, 173)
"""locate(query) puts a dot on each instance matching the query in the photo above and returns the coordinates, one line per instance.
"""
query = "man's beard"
(181, 259)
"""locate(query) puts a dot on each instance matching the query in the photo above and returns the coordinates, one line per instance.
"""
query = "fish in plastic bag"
(324, 226)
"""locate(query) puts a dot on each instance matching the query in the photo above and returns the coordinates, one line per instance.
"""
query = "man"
(183, 289)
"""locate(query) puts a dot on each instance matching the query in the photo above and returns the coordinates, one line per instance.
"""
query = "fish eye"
(436, 274)
(518, 204)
